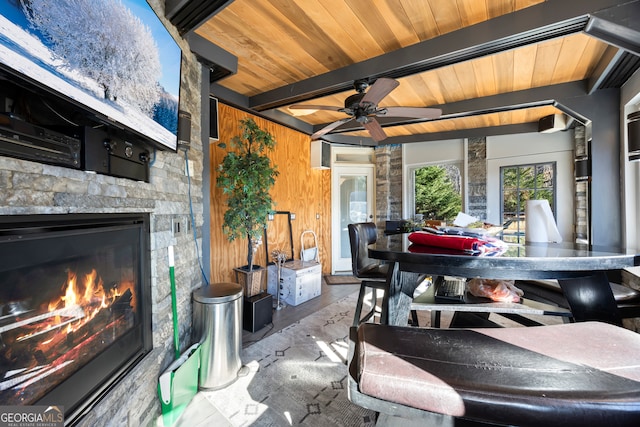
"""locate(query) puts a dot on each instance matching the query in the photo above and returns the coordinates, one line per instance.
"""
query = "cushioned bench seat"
(571, 375)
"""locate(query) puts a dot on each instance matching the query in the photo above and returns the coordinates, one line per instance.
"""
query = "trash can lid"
(217, 293)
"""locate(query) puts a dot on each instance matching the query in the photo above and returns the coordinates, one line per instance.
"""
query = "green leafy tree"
(246, 176)
(436, 193)
(526, 183)
(519, 184)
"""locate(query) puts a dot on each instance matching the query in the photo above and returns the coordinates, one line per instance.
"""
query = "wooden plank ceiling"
(281, 43)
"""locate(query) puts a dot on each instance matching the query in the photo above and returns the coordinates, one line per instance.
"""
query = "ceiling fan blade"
(313, 107)
(329, 128)
(415, 112)
(381, 88)
(375, 130)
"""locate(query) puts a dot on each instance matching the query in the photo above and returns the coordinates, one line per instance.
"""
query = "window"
(437, 191)
(519, 184)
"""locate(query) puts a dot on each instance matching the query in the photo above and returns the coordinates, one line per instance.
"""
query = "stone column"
(388, 183)
(477, 177)
(388, 161)
(581, 195)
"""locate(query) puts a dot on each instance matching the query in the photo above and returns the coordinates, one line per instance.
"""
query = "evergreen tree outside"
(438, 195)
(519, 184)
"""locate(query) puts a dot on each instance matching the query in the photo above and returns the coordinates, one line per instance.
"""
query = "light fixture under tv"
(137, 99)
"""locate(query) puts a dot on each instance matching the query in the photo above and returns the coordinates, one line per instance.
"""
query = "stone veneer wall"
(581, 195)
(388, 160)
(34, 188)
(477, 177)
(389, 181)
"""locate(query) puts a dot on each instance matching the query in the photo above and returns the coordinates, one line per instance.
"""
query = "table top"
(530, 261)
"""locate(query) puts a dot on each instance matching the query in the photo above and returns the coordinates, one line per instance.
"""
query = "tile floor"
(201, 412)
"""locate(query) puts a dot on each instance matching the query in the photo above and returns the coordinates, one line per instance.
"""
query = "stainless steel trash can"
(217, 325)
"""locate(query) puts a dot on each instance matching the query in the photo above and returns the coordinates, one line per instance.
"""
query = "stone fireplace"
(75, 306)
(37, 191)
(31, 189)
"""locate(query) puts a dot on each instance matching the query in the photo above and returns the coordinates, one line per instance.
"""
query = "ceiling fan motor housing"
(361, 85)
(352, 101)
(362, 107)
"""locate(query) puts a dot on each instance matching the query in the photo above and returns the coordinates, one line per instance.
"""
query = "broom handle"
(174, 303)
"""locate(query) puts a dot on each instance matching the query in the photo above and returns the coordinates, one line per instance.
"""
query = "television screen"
(114, 58)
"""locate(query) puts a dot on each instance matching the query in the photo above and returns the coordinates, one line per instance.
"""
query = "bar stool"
(372, 272)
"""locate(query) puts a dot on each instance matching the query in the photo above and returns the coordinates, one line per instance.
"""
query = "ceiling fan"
(363, 108)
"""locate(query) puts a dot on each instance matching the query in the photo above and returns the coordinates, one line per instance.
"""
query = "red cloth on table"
(460, 243)
(434, 250)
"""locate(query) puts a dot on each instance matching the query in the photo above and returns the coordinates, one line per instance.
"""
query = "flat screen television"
(112, 58)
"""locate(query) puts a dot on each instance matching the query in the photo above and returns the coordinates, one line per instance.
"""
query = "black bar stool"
(372, 272)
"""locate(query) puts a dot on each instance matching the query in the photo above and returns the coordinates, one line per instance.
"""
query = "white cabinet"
(299, 282)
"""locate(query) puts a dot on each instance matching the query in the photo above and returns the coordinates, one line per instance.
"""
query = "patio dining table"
(579, 269)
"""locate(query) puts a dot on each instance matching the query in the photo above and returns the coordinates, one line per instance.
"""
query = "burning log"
(106, 318)
(72, 314)
(56, 341)
(43, 349)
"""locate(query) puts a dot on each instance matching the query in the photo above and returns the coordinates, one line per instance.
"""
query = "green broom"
(179, 382)
(174, 303)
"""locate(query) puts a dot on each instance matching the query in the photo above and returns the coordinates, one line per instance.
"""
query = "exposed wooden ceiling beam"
(436, 136)
(619, 26)
(540, 22)
(187, 15)
(571, 99)
(239, 101)
(546, 95)
(605, 67)
(465, 133)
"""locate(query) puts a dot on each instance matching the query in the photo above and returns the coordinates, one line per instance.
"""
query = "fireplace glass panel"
(71, 310)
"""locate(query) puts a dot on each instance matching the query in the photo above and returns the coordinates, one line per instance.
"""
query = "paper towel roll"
(540, 224)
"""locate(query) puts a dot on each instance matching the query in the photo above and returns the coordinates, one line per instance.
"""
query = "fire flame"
(83, 299)
(94, 298)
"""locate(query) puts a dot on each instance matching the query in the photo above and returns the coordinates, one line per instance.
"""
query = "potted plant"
(246, 176)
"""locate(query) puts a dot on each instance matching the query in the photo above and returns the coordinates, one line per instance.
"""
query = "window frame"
(520, 232)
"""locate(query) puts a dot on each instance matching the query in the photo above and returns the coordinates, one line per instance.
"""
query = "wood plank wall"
(299, 189)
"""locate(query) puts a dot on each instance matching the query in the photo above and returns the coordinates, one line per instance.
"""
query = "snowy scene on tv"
(113, 56)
